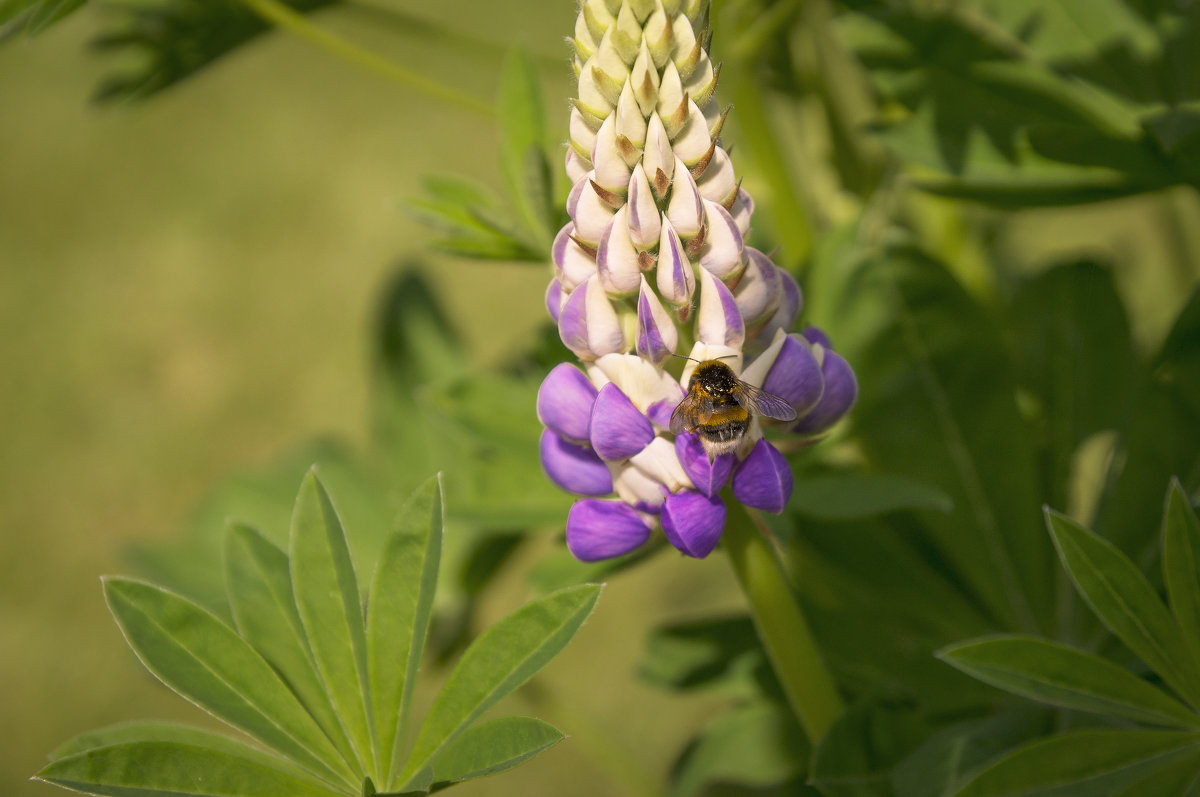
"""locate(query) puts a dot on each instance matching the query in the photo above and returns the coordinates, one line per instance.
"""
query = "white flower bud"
(685, 211)
(659, 37)
(617, 258)
(630, 121)
(644, 79)
(658, 158)
(645, 219)
(718, 322)
(675, 277)
(670, 92)
(611, 172)
(719, 183)
(577, 167)
(572, 263)
(590, 213)
(627, 35)
(692, 142)
(721, 254)
(583, 135)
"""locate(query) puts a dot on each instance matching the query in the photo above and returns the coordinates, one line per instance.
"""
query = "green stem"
(280, 14)
(781, 626)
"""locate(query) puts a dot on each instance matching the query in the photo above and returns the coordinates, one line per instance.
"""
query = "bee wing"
(762, 402)
(688, 414)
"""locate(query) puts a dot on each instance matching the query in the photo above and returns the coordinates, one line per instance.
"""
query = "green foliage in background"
(898, 149)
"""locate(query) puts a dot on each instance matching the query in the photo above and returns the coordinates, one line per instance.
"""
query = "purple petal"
(564, 402)
(841, 391)
(603, 529)
(718, 321)
(617, 430)
(588, 324)
(817, 335)
(789, 308)
(657, 336)
(763, 479)
(659, 412)
(796, 376)
(693, 522)
(573, 467)
(554, 298)
(709, 477)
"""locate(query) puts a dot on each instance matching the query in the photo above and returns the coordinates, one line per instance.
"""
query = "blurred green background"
(187, 288)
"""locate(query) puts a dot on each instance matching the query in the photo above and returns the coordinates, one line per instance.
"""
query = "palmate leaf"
(1090, 762)
(204, 660)
(33, 16)
(497, 662)
(259, 586)
(162, 753)
(174, 39)
(327, 597)
(1125, 602)
(1181, 566)
(492, 747)
(400, 606)
(320, 672)
(1031, 102)
(1052, 673)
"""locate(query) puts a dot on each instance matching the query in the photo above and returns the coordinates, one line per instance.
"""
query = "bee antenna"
(682, 357)
(729, 356)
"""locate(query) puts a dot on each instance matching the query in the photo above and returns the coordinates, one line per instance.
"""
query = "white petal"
(630, 121)
(644, 79)
(670, 91)
(692, 142)
(658, 155)
(635, 488)
(701, 351)
(583, 138)
(722, 251)
(611, 170)
(638, 379)
(659, 462)
(591, 214)
(718, 183)
(757, 370)
(617, 258)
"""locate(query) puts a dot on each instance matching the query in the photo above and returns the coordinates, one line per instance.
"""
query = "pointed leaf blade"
(1114, 757)
(1123, 600)
(177, 768)
(194, 653)
(398, 615)
(328, 602)
(152, 731)
(1181, 565)
(259, 586)
(492, 747)
(1052, 673)
(497, 662)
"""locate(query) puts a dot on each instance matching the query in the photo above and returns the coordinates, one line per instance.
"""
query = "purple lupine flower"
(654, 263)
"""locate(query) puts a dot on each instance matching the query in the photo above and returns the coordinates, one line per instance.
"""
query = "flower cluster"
(654, 263)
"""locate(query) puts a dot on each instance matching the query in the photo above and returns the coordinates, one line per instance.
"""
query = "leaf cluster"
(322, 685)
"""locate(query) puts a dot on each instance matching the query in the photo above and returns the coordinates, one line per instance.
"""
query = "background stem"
(781, 626)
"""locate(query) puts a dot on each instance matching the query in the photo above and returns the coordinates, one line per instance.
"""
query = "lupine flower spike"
(654, 263)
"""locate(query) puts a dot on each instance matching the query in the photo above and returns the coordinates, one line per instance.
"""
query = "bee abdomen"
(723, 432)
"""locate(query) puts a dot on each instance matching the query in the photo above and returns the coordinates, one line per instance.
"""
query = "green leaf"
(852, 496)
(1181, 566)
(856, 756)
(497, 662)
(492, 747)
(1124, 601)
(327, 597)
(1052, 673)
(523, 145)
(34, 16)
(175, 40)
(949, 758)
(1179, 777)
(704, 653)
(1076, 362)
(259, 585)
(1094, 761)
(205, 661)
(1161, 441)
(756, 745)
(151, 731)
(398, 616)
(168, 768)
(926, 352)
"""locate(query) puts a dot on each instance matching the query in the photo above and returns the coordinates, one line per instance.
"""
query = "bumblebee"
(718, 408)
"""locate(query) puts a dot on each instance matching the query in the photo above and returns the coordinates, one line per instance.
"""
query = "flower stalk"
(781, 626)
